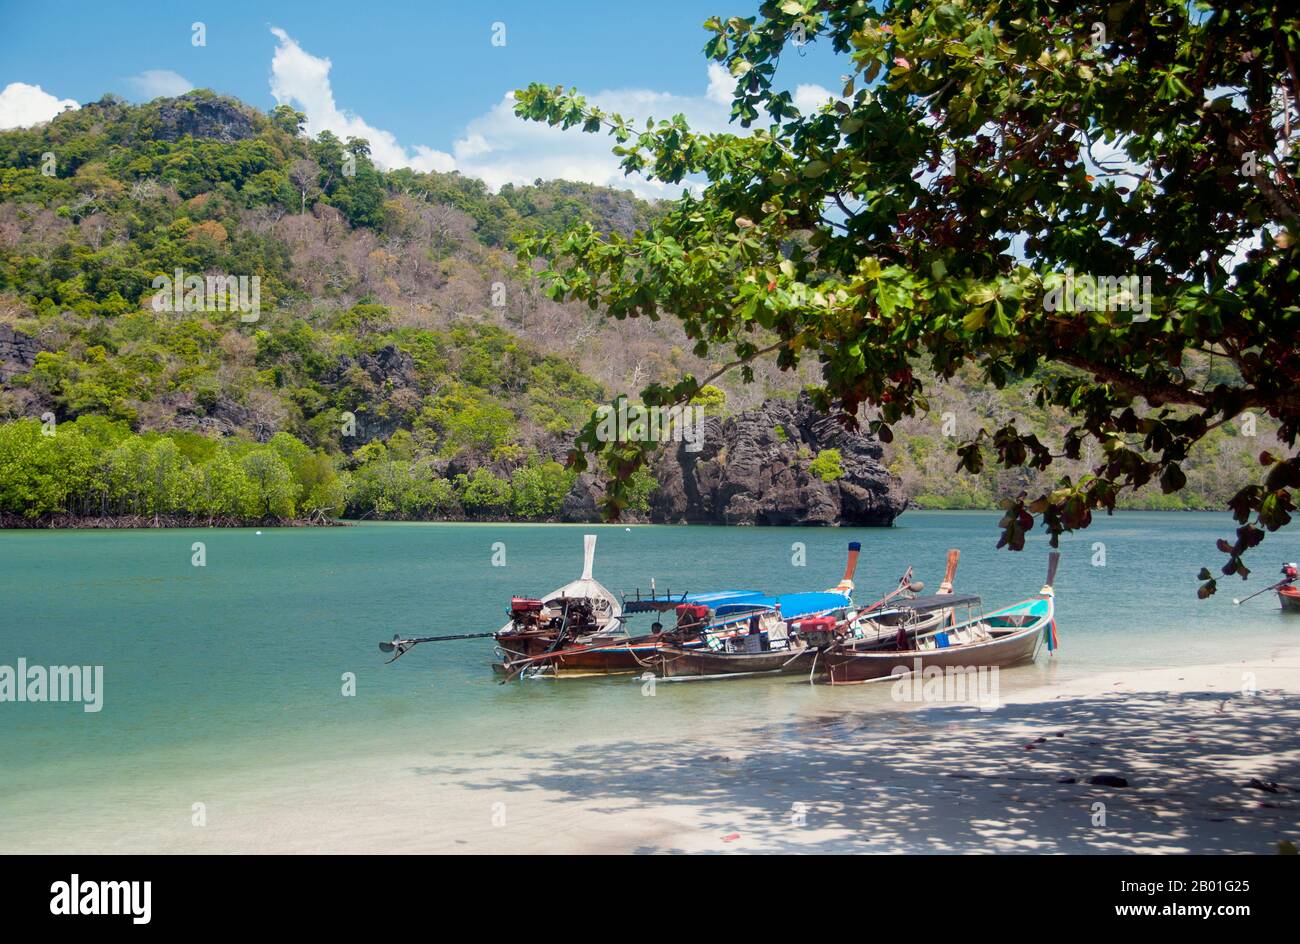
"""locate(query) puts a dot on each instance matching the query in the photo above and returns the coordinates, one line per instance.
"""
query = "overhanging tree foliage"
(984, 167)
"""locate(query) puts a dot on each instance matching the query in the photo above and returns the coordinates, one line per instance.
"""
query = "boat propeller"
(398, 645)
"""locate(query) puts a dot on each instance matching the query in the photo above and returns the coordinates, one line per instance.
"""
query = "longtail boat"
(908, 616)
(722, 619)
(700, 619)
(785, 635)
(582, 611)
(1005, 637)
(767, 640)
(1288, 595)
(580, 628)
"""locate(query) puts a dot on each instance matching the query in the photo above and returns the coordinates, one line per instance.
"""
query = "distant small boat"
(1288, 594)
(1006, 637)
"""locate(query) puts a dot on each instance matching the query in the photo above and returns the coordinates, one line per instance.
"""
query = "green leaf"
(975, 319)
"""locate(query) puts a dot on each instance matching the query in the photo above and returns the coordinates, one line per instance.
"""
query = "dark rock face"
(391, 386)
(224, 418)
(580, 504)
(17, 353)
(748, 472)
(214, 118)
(390, 364)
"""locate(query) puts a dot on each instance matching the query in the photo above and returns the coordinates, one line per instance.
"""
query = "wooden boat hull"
(1290, 599)
(675, 662)
(609, 660)
(700, 662)
(1009, 646)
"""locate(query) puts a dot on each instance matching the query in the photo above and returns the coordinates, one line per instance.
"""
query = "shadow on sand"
(954, 779)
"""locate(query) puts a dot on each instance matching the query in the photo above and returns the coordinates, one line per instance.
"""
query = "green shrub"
(828, 466)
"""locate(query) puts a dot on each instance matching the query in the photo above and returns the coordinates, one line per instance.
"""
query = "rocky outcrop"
(388, 382)
(581, 502)
(753, 469)
(17, 353)
(203, 115)
(225, 417)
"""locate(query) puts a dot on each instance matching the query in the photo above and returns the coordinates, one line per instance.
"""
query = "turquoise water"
(240, 663)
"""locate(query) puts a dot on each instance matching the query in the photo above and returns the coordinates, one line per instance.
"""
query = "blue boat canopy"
(792, 605)
(719, 598)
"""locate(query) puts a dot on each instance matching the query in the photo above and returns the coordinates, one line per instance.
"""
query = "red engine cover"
(816, 624)
(525, 605)
(692, 612)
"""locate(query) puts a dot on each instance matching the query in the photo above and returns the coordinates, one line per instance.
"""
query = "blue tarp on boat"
(792, 604)
(719, 598)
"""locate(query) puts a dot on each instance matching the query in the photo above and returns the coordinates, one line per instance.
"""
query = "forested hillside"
(398, 364)
(395, 342)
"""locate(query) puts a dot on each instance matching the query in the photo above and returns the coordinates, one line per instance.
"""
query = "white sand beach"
(1188, 742)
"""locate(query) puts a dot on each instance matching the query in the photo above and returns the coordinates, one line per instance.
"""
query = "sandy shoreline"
(931, 779)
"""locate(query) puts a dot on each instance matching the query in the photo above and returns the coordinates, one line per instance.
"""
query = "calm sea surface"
(240, 664)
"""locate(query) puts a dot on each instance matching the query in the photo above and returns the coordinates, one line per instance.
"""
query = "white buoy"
(259, 532)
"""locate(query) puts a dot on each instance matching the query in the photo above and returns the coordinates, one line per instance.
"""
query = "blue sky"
(422, 80)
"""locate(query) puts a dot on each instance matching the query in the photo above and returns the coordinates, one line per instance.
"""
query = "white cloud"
(22, 105)
(809, 98)
(159, 83)
(721, 84)
(498, 147)
(300, 79)
(472, 145)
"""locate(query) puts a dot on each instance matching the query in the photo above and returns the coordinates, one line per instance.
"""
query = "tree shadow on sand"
(954, 779)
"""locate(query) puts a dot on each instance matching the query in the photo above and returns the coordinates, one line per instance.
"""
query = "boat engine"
(582, 617)
(818, 631)
(525, 611)
(692, 614)
(1290, 571)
